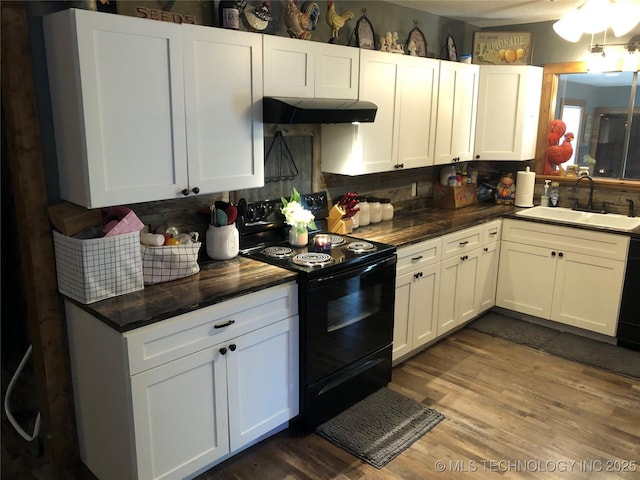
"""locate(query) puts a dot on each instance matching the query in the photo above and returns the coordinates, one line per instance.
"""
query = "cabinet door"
(449, 273)
(378, 74)
(526, 282)
(263, 381)
(424, 303)
(508, 110)
(457, 108)
(288, 67)
(587, 294)
(336, 71)
(402, 343)
(223, 98)
(488, 276)
(180, 415)
(118, 105)
(416, 111)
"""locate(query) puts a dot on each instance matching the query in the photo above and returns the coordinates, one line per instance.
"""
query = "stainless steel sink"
(605, 220)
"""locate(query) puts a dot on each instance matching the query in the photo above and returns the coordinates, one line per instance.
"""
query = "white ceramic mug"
(222, 242)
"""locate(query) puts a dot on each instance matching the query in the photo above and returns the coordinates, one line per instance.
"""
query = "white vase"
(298, 239)
(222, 242)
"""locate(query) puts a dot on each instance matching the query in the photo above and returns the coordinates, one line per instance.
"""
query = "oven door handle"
(357, 271)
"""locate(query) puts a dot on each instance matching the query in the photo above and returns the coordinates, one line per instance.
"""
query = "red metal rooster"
(556, 153)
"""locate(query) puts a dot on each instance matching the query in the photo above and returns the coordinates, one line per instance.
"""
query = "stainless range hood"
(288, 110)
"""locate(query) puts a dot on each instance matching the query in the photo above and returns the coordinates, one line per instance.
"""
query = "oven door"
(349, 315)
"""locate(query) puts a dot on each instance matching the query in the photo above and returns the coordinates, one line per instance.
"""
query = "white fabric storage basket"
(162, 264)
(98, 268)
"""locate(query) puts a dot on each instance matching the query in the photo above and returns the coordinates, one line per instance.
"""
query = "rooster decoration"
(336, 20)
(557, 153)
(300, 24)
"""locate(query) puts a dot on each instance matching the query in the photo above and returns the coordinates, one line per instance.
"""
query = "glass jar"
(375, 209)
(387, 209)
(364, 215)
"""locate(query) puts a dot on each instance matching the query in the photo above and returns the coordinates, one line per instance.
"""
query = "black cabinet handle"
(223, 351)
(185, 191)
(553, 254)
(415, 259)
(417, 275)
(225, 324)
(232, 347)
(561, 254)
(486, 249)
(464, 257)
(477, 157)
(462, 244)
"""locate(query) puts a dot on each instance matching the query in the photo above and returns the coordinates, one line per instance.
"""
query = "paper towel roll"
(525, 183)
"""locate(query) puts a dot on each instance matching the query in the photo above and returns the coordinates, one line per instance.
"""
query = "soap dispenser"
(544, 200)
(554, 196)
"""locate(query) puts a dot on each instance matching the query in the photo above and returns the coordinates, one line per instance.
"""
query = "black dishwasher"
(629, 320)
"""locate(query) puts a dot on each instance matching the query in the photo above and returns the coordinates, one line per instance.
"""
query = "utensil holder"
(222, 242)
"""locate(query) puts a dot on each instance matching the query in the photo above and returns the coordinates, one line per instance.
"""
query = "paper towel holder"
(525, 185)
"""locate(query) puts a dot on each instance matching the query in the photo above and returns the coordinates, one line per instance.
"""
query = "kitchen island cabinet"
(147, 110)
(571, 276)
(172, 399)
(405, 89)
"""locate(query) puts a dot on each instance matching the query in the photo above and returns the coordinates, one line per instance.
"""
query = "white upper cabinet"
(223, 99)
(142, 110)
(508, 111)
(298, 68)
(457, 108)
(405, 90)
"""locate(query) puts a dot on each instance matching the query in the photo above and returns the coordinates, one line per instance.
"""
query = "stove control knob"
(261, 210)
(251, 213)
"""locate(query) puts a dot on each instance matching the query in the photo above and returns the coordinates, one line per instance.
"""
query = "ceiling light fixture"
(595, 16)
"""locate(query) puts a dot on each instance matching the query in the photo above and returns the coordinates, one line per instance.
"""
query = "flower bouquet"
(297, 217)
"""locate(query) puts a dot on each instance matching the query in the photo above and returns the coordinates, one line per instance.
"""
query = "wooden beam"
(44, 306)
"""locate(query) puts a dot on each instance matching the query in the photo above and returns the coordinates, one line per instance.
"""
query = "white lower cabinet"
(417, 292)
(488, 274)
(563, 274)
(459, 278)
(170, 400)
(443, 283)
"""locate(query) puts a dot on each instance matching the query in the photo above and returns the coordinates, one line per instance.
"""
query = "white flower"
(295, 214)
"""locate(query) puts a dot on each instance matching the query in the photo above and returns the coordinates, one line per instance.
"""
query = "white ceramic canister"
(223, 242)
(375, 209)
(387, 209)
(364, 215)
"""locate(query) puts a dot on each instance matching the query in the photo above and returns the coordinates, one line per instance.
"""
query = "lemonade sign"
(502, 48)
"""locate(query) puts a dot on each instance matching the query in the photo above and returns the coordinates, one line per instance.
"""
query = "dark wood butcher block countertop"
(423, 224)
(216, 282)
(222, 280)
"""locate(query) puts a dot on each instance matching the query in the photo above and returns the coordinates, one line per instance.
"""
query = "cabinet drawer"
(577, 240)
(492, 232)
(419, 255)
(462, 241)
(168, 340)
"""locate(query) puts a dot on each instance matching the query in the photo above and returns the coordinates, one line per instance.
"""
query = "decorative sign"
(502, 48)
(194, 12)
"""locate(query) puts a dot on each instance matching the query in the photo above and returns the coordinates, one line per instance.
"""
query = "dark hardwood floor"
(511, 412)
